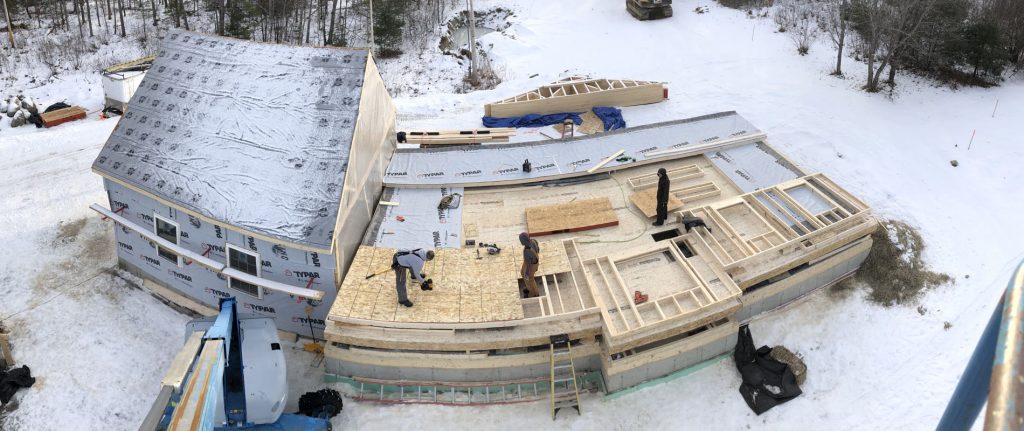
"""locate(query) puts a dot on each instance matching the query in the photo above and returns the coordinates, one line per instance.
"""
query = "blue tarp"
(532, 120)
(611, 117)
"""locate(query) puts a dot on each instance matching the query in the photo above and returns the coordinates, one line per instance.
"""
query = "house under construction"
(622, 301)
(217, 191)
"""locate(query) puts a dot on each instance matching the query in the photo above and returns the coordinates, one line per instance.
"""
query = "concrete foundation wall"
(664, 360)
(279, 263)
(534, 365)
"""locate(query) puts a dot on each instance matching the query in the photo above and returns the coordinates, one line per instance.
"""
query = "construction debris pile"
(24, 110)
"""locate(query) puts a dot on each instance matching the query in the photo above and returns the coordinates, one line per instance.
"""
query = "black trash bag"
(766, 381)
(324, 404)
(36, 119)
(12, 380)
(56, 106)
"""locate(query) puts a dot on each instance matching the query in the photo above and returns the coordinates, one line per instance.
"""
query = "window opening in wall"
(169, 231)
(248, 263)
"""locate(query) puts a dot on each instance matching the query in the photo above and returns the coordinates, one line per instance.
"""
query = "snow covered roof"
(255, 135)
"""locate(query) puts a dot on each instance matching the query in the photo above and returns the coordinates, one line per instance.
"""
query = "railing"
(994, 370)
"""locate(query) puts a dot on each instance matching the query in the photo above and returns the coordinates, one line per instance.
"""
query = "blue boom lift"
(231, 375)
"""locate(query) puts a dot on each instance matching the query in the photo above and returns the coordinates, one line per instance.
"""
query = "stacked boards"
(427, 138)
(63, 115)
(468, 287)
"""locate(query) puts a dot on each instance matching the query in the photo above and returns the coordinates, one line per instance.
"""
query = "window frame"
(157, 218)
(259, 268)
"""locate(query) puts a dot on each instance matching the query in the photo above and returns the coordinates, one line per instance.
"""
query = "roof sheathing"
(253, 135)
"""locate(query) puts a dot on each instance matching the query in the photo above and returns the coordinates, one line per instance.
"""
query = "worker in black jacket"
(662, 207)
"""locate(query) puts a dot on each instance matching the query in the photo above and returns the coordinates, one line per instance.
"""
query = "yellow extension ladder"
(565, 390)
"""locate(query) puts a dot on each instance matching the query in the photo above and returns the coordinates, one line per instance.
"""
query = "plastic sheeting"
(532, 120)
(809, 199)
(610, 116)
(753, 166)
(422, 224)
(256, 135)
(424, 167)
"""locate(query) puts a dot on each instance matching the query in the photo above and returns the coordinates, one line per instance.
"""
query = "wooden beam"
(182, 361)
(605, 161)
(608, 287)
(572, 273)
(625, 291)
(547, 294)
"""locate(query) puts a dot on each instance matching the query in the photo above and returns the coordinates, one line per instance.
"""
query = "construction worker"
(411, 261)
(662, 207)
(531, 261)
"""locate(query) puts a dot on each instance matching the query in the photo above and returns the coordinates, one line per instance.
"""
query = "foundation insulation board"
(252, 134)
(570, 217)
(558, 158)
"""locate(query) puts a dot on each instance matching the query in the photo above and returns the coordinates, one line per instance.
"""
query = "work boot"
(658, 223)
(406, 303)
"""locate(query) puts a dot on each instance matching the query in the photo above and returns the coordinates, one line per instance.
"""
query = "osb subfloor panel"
(571, 216)
(647, 202)
(497, 215)
(553, 259)
(466, 289)
(655, 274)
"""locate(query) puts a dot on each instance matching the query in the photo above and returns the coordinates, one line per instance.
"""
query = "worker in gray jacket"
(412, 261)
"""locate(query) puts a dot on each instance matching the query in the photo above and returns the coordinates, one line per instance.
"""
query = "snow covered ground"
(100, 346)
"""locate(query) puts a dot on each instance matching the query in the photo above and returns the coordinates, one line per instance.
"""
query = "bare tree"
(796, 20)
(886, 28)
(832, 22)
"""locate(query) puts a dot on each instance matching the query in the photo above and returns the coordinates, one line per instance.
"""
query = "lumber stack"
(63, 115)
(570, 217)
(426, 138)
(577, 94)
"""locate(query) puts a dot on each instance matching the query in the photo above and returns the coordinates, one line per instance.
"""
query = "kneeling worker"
(412, 261)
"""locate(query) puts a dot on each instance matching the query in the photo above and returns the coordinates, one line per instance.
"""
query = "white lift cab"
(231, 374)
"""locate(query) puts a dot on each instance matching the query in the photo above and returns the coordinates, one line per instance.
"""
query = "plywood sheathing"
(553, 259)
(466, 289)
(571, 216)
(647, 202)
(578, 95)
(591, 124)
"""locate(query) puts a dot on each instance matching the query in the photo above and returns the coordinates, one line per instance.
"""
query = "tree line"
(961, 42)
(303, 22)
